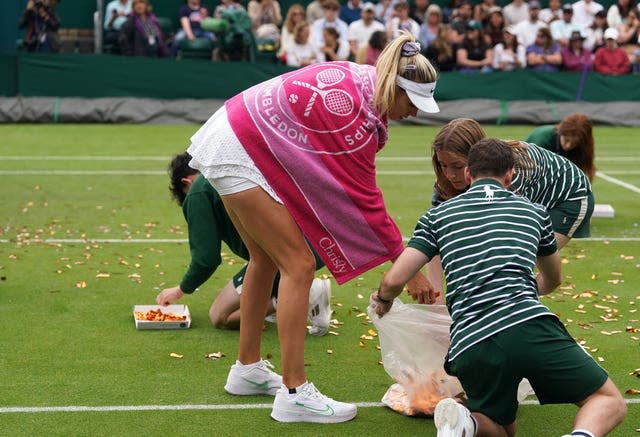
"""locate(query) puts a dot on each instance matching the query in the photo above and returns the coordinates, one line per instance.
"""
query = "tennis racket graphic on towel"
(337, 102)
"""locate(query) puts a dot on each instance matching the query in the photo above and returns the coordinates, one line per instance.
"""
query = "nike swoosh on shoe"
(328, 411)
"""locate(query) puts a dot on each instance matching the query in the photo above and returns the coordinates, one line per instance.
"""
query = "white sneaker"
(320, 306)
(309, 405)
(253, 379)
(453, 419)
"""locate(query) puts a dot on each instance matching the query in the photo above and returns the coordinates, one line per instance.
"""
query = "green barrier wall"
(77, 75)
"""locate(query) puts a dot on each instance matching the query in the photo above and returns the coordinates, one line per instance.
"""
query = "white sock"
(582, 433)
(274, 302)
(297, 389)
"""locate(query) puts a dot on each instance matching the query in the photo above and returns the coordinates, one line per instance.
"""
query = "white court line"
(618, 182)
(83, 172)
(184, 240)
(185, 407)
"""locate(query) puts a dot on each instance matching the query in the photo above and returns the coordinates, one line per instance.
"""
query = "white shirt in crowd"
(515, 12)
(584, 11)
(317, 39)
(526, 31)
(361, 33)
(500, 57)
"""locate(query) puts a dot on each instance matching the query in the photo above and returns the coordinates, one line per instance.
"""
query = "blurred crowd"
(479, 37)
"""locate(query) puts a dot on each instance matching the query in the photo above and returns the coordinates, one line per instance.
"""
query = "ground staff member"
(489, 240)
(295, 156)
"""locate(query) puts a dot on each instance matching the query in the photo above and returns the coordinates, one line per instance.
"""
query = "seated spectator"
(141, 35)
(450, 11)
(333, 49)
(617, 12)
(42, 24)
(385, 10)
(459, 22)
(509, 55)
(227, 5)
(431, 25)
(527, 30)
(369, 53)
(360, 31)
(552, 13)
(401, 21)
(265, 18)
(350, 11)
(561, 29)
(544, 54)
(611, 59)
(515, 12)
(441, 52)
(331, 8)
(482, 10)
(584, 12)
(190, 16)
(314, 11)
(574, 56)
(629, 32)
(418, 10)
(295, 15)
(115, 15)
(595, 32)
(474, 54)
(301, 53)
(571, 138)
(494, 27)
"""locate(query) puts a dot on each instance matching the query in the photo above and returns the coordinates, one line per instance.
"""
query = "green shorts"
(541, 350)
(571, 217)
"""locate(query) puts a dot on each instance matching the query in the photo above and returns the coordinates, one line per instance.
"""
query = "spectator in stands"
(611, 59)
(441, 52)
(552, 13)
(418, 10)
(482, 10)
(571, 138)
(369, 53)
(515, 12)
(350, 11)
(617, 12)
(401, 21)
(574, 56)
(450, 11)
(561, 29)
(544, 54)
(42, 23)
(315, 11)
(360, 31)
(295, 15)
(431, 25)
(494, 27)
(333, 49)
(629, 32)
(474, 54)
(141, 35)
(584, 11)
(115, 15)
(190, 16)
(527, 30)
(301, 53)
(385, 10)
(459, 23)
(265, 19)
(331, 8)
(595, 32)
(509, 55)
(226, 5)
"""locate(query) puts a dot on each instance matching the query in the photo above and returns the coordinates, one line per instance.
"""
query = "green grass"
(65, 345)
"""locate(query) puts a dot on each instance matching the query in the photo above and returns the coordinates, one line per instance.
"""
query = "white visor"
(420, 94)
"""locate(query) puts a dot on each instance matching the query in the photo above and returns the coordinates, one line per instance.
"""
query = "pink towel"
(314, 134)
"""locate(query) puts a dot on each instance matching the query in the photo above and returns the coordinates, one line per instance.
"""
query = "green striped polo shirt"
(488, 239)
(554, 179)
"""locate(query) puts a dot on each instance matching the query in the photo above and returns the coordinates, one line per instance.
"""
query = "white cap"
(420, 94)
(368, 6)
(611, 33)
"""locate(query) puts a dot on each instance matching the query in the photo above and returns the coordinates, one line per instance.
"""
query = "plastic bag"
(414, 340)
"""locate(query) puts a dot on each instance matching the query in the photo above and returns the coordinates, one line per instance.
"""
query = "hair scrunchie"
(410, 48)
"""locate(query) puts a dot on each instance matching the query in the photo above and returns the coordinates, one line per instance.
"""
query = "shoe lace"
(312, 392)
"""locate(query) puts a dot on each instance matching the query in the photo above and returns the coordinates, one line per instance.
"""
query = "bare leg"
(488, 428)
(275, 243)
(602, 411)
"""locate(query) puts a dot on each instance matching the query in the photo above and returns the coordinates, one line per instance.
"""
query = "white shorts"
(217, 153)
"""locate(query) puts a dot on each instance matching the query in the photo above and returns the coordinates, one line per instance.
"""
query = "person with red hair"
(571, 138)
